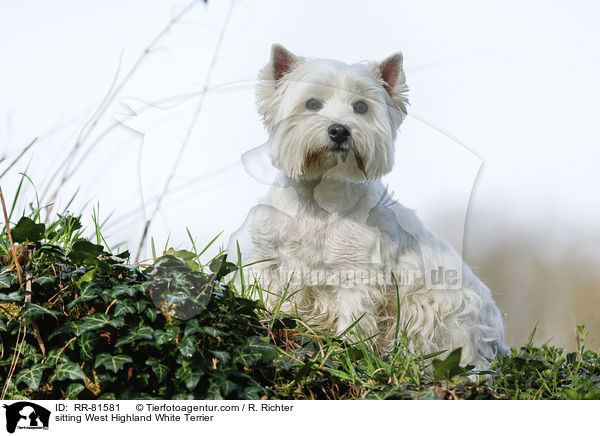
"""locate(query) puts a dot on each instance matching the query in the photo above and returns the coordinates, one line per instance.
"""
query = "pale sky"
(515, 83)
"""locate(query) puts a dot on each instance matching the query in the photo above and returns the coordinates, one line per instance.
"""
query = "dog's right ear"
(281, 63)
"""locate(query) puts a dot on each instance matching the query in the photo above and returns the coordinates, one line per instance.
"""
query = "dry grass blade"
(13, 250)
(114, 90)
(189, 131)
(18, 158)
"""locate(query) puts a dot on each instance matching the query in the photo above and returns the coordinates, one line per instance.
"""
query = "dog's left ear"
(392, 77)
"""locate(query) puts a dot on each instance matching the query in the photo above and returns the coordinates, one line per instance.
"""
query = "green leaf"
(160, 370)
(112, 363)
(214, 392)
(189, 376)
(32, 310)
(119, 290)
(220, 267)
(227, 386)
(45, 280)
(69, 371)
(31, 376)
(124, 307)
(89, 291)
(27, 230)
(255, 349)
(87, 341)
(247, 356)
(98, 320)
(5, 281)
(450, 366)
(73, 391)
(88, 277)
(83, 251)
(13, 296)
(223, 356)
(187, 347)
(142, 332)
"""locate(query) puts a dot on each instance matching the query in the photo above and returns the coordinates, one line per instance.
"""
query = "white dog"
(343, 254)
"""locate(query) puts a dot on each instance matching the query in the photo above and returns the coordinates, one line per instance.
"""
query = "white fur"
(334, 233)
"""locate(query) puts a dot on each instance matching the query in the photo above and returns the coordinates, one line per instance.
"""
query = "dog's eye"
(313, 104)
(360, 107)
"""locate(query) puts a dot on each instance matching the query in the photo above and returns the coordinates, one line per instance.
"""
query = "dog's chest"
(320, 238)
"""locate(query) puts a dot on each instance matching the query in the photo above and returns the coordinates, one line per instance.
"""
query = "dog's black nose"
(338, 133)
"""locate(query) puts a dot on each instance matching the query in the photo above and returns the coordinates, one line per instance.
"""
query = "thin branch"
(13, 249)
(110, 98)
(25, 150)
(190, 129)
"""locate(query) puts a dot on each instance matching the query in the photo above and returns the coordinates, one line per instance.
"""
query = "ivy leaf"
(69, 371)
(189, 376)
(450, 366)
(160, 370)
(220, 267)
(247, 356)
(73, 391)
(31, 376)
(45, 280)
(123, 307)
(5, 282)
(223, 356)
(89, 291)
(13, 296)
(142, 332)
(27, 230)
(112, 363)
(255, 349)
(119, 290)
(99, 320)
(83, 251)
(88, 277)
(214, 392)
(168, 335)
(187, 347)
(32, 310)
(87, 342)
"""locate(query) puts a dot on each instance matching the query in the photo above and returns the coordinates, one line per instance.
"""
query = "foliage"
(95, 326)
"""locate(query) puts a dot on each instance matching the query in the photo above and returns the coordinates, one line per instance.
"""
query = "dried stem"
(189, 131)
(107, 100)
(25, 150)
(13, 249)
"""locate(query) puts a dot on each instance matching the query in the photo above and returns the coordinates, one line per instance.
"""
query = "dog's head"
(329, 119)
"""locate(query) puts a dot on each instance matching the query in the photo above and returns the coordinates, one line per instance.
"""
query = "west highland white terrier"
(343, 255)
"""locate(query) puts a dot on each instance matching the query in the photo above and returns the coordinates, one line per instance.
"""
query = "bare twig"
(13, 364)
(36, 329)
(109, 98)
(25, 150)
(190, 130)
(13, 249)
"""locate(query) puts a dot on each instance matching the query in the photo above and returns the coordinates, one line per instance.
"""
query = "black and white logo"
(26, 416)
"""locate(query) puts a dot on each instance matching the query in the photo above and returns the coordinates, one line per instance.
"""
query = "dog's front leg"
(356, 315)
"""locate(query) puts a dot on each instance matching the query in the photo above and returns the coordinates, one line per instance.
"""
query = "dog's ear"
(281, 63)
(392, 77)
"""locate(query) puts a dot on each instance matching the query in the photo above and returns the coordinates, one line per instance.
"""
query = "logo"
(26, 415)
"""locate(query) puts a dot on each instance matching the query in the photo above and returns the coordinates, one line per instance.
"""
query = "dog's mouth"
(338, 148)
(317, 162)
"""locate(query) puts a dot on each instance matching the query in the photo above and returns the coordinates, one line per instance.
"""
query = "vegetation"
(80, 321)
